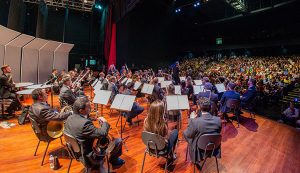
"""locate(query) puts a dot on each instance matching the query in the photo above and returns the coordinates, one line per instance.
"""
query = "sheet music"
(127, 103)
(220, 87)
(160, 79)
(182, 78)
(177, 90)
(183, 102)
(137, 84)
(117, 101)
(102, 97)
(172, 102)
(197, 89)
(164, 84)
(129, 80)
(147, 88)
(198, 82)
(124, 80)
(97, 87)
(95, 82)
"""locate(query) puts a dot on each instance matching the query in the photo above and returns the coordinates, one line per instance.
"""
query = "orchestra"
(210, 102)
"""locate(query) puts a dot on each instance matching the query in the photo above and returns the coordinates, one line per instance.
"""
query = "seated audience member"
(229, 94)
(205, 123)
(250, 93)
(41, 112)
(155, 123)
(291, 114)
(82, 128)
(136, 108)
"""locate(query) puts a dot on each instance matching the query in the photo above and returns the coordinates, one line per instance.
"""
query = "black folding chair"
(75, 152)
(234, 105)
(156, 147)
(209, 143)
(42, 136)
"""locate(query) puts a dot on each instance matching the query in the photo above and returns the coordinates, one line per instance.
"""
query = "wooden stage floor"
(259, 145)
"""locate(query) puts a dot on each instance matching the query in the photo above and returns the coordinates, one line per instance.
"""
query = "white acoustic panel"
(30, 60)
(61, 56)
(13, 55)
(46, 59)
(6, 35)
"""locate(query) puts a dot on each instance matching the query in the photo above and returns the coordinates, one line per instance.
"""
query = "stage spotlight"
(177, 10)
(196, 4)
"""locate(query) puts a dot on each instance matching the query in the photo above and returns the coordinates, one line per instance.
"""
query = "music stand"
(198, 89)
(165, 84)
(137, 85)
(182, 78)
(220, 87)
(147, 89)
(177, 102)
(102, 98)
(198, 82)
(128, 80)
(123, 103)
(160, 79)
(177, 89)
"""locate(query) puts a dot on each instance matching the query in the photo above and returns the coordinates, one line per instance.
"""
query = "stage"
(260, 145)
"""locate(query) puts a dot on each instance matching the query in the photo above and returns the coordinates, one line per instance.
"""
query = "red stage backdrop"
(113, 50)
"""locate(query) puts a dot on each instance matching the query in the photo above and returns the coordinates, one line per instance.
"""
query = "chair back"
(72, 146)
(154, 142)
(209, 142)
(232, 103)
(38, 131)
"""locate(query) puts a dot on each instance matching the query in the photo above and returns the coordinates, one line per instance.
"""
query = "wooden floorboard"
(259, 145)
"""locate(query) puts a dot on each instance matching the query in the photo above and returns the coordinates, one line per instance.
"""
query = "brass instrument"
(55, 128)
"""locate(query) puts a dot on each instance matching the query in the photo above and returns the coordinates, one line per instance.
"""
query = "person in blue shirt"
(229, 94)
(250, 94)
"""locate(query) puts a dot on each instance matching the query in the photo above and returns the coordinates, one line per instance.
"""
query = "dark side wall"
(146, 36)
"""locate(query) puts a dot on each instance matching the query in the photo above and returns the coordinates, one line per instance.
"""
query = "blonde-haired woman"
(155, 123)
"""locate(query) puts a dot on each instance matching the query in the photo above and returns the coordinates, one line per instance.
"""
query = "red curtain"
(113, 49)
(110, 39)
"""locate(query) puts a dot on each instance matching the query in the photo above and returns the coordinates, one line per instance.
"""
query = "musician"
(250, 94)
(205, 123)
(53, 77)
(136, 108)
(155, 123)
(41, 111)
(7, 91)
(105, 82)
(82, 128)
(229, 94)
(66, 95)
(175, 74)
(113, 88)
(158, 93)
(211, 95)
